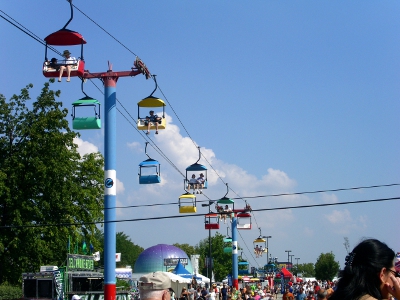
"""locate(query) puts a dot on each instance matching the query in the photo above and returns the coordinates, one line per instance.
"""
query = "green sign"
(80, 262)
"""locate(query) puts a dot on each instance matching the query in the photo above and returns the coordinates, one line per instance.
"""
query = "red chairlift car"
(64, 37)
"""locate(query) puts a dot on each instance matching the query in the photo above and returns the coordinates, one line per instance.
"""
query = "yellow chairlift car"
(152, 103)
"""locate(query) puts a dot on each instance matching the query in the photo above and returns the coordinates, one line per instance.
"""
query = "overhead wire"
(104, 30)
(28, 32)
(199, 215)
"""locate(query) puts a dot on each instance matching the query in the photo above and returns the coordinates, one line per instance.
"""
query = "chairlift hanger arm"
(145, 150)
(72, 14)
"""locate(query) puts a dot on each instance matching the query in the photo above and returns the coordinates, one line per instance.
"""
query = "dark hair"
(360, 276)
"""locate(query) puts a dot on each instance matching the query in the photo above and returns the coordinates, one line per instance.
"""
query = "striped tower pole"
(235, 280)
(110, 189)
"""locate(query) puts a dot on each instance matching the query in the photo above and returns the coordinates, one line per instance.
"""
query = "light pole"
(291, 261)
(288, 251)
(209, 261)
(297, 264)
(267, 237)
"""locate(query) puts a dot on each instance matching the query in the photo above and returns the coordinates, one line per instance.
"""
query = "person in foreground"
(368, 273)
(155, 286)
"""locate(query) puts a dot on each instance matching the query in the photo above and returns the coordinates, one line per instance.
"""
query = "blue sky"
(282, 96)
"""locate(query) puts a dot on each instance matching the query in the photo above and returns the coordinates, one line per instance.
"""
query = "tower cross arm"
(89, 75)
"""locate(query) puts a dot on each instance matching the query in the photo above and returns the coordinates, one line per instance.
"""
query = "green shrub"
(8, 292)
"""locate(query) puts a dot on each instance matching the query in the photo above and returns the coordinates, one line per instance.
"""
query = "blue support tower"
(110, 79)
(110, 189)
(235, 267)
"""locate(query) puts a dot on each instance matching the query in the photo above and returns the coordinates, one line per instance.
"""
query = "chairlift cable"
(199, 215)
(104, 30)
(28, 32)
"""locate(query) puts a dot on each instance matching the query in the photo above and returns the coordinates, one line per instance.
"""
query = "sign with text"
(174, 261)
(80, 262)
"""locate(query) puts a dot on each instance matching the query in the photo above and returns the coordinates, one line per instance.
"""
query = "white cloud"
(85, 147)
(120, 187)
(329, 198)
(343, 223)
(182, 152)
(136, 147)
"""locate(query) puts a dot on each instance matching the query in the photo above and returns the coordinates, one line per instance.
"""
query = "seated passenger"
(153, 119)
(226, 213)
(53, 64)
(68, 62)
(201, 181)
(193, 184)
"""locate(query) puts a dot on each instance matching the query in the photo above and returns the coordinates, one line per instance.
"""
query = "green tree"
(222, 261)
(129, 251)
(326, 267)
(306, 269)
(44, 182)
(189, 250)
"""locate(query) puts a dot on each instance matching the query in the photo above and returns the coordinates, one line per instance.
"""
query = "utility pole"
(291, 261)
(267, 237)
(297, 264)
(288, 251)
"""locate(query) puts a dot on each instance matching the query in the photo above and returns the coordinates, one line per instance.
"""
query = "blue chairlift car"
(149, 170)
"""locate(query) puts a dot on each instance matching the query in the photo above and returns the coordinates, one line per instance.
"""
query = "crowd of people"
(369, 274)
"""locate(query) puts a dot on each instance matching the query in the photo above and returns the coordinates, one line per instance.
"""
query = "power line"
(104, 30)
(197, 215)
(273, 195)
(28, 32)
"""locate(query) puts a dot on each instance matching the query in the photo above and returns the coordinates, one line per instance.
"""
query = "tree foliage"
(307, 269)
(129, 251)
(189, 250)
(326, 267)
(44, 182)
(222, 261)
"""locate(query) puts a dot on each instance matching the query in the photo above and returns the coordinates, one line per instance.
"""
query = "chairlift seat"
(142, 126)
(228, 250)
(81, 123)
(86, 123)
(76, 70)
(211, 221)
(151, 102)
(187, 209)
(244, 221)
(151, 178)
(186, 199)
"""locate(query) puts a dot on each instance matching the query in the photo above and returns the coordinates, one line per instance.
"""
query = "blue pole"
(235, 279)
(110, 190)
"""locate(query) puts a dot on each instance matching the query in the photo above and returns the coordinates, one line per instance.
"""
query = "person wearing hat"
(68, 62)
(201, 181)
(152, 119)
(76, 297)
(155, 286)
